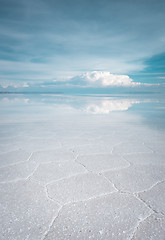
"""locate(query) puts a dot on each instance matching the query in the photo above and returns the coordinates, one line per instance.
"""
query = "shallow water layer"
(82, 167)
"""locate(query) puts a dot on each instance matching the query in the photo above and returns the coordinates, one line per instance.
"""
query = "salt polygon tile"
(155, 197)
(110, 139)
(26, 212)
(156, 142)
(9, 140)
(58, 155)
(48, 172)
(157, 146)
(136, 178)
(18, 171)
(10, 130)
(13, 157)
(138, 134)
(151, 228)
(93, 149)
(80, 187)
(112, 216)
(131, 147)
(4, 148)
(146, 158)
(102, 162)
(32, 145)
(71, 142)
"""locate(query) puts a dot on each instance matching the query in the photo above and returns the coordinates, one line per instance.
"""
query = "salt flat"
(90, 171)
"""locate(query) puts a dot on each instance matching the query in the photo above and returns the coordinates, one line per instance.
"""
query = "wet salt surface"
(82, 167)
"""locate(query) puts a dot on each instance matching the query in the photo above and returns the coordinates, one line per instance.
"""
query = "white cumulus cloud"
(103, 79)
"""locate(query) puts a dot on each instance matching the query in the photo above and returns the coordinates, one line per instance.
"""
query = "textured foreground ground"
(83, 177)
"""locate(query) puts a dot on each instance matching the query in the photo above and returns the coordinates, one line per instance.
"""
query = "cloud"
(5, 84)
(105, 79)
(100, 79)
(89, 81)
(94, 79)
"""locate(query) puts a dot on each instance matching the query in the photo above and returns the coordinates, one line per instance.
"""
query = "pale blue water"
(144, 109)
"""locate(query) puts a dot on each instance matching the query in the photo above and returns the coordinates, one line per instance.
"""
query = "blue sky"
(45, 42)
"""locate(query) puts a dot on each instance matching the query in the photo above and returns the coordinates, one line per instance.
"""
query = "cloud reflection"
(107, 106)
(89, 105)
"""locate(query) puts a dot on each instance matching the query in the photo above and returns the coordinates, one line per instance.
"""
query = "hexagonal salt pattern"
(13, 157)
(38, 144)
(26, 212)
(102, 162)
(80, 187)
(146, 158)
(93, 148)
(157, 145)
(57, 155)
(48, 172)
(18, 171)
(155, 197)
(108, 217)
(131, 147)
(136, 178)
(151, 228)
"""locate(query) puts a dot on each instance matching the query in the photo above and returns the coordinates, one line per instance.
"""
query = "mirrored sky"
(147, 110)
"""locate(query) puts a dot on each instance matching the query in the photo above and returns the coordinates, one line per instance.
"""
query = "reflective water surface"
(19, 108)
(49, 118)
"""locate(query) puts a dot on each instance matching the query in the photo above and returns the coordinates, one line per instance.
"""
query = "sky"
(60, 44)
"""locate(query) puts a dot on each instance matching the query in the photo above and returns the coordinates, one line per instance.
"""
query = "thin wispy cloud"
(5, 84)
